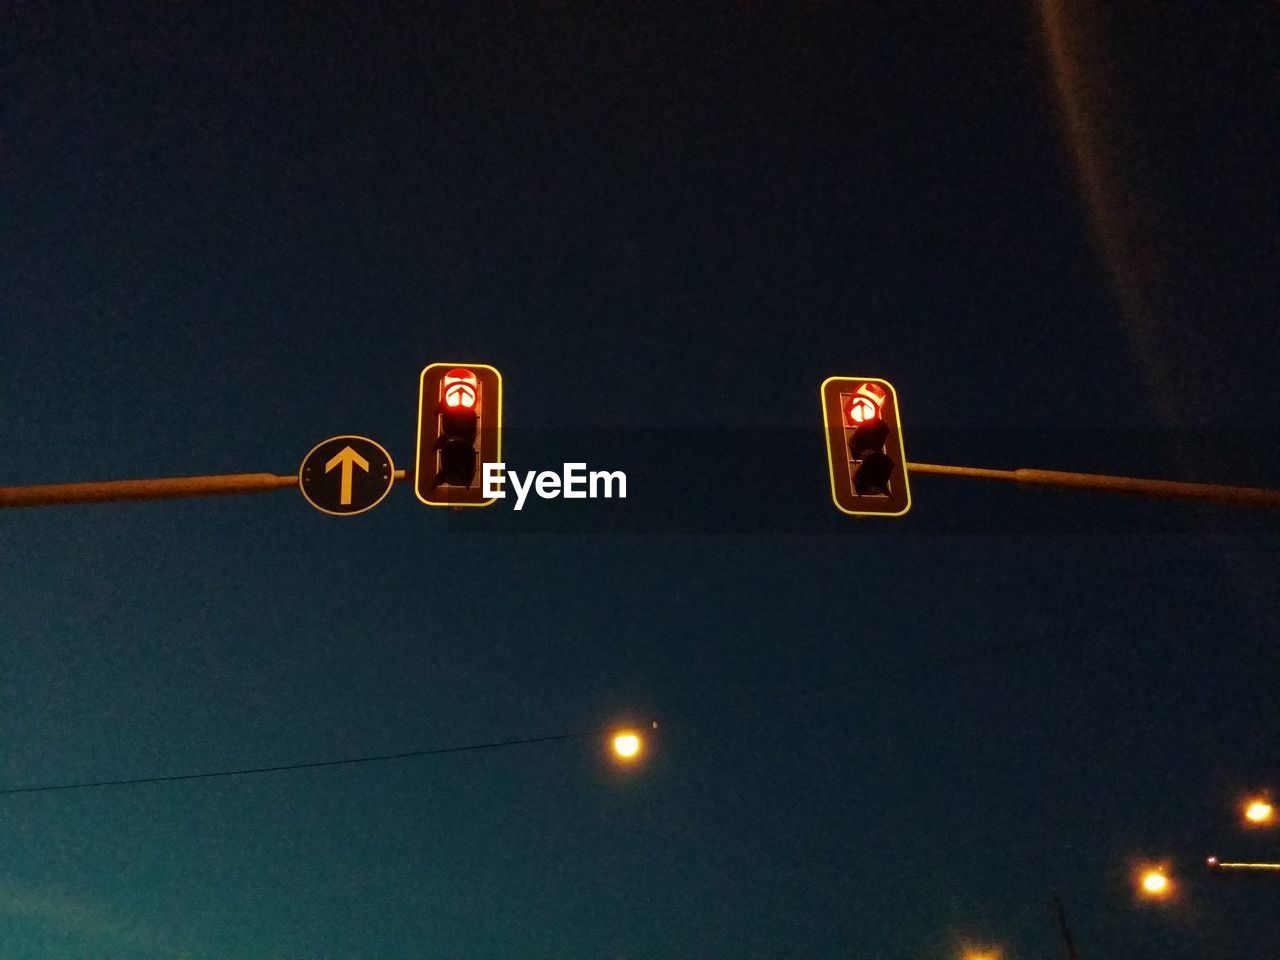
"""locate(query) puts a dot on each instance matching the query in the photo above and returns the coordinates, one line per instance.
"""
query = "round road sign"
(343, 476)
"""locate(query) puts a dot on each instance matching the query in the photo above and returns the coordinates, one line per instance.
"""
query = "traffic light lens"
(873, 476)
(865, 404)
(457, 463)
(861, 410)
(868, 438)
(460, 388)
(460, 395)
(458, 423)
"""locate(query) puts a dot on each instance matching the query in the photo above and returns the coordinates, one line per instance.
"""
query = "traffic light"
(459, 430)
(864, 447)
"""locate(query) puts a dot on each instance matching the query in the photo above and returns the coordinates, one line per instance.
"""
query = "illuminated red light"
(460, 386)
(865, 404)
(860, 410)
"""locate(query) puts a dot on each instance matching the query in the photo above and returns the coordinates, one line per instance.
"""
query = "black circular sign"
(343, 476)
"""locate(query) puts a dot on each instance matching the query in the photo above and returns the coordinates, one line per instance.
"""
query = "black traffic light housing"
(865, 459)
(459, 430)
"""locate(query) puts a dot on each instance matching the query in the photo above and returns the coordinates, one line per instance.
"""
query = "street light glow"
(1259, 812)
(626, 745)
(974, 949)
(1155, 882)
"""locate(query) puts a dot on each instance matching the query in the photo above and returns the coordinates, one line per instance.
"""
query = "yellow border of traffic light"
(831, 468)
(417, 443)
(350, 513)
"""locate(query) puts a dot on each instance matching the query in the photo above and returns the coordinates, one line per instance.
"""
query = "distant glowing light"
(627, 745)
(1259, 811)
(1155, 883)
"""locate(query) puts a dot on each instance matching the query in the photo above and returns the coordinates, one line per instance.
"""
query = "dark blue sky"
(228, 235)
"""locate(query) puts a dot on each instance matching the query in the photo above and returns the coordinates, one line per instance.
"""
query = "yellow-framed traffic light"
(459, 430)
(865, 457)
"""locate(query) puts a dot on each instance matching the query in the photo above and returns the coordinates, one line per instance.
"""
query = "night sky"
(230, 231)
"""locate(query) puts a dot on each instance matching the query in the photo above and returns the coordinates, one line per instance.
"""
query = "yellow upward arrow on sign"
(349, 459)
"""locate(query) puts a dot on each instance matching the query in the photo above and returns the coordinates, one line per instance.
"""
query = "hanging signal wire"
(756, 701)
(280, 768)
